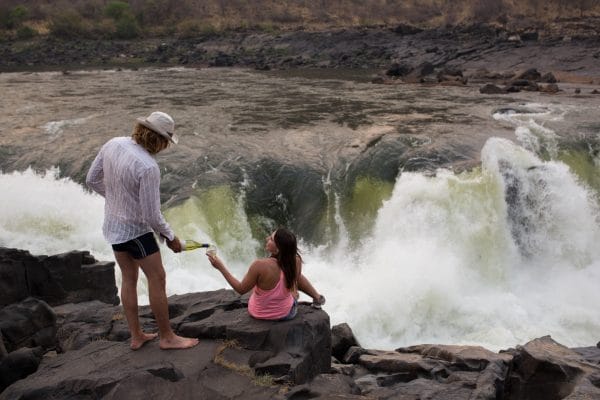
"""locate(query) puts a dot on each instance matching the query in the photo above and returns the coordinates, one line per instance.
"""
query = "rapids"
(493, 255)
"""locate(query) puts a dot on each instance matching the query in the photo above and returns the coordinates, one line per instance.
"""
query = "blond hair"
(148, 139)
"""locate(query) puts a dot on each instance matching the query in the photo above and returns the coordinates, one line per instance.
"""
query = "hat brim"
(172, 138)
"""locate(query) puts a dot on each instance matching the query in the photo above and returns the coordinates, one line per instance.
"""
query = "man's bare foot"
(177, 342)
(138, 342)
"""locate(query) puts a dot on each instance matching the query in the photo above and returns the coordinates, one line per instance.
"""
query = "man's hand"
(174, 244)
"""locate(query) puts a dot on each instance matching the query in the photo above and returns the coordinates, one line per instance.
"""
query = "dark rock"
(233, 348)
(18, 365)
(82, 277)
(399, 70)
(353, 354)
(284, 192)
(223, 60)
(323, 386)
(79, 324)
(466, 358)
(298, 349)
(577, 91)
(3, 351)
(529, 36)
(378, 80)
(548, 77)
(544, 369)
(13, 275)
(70, 277)
(488, 88)
(589, 354)
(29, 323)
(525, 84)
(595, 91)
(531, 74)
(342, 338)
(116, 372)
(450, 71)
(549, 88)
(418, 74)
(405, 29)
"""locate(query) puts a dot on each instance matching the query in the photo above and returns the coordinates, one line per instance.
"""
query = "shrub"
(13, 18)
(117, 9)
(67, 24)
(127, 27)
(26, 32)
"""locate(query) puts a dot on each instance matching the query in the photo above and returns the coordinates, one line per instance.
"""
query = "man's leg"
(155, 272)
(129, 273)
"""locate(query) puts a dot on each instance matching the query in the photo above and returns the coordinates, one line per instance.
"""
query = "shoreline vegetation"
(267, 34)
(130, 19)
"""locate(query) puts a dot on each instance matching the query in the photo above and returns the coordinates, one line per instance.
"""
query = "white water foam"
(56, 127)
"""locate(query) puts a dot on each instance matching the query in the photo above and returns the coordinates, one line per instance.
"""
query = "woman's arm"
(249, 281)
(304, 284)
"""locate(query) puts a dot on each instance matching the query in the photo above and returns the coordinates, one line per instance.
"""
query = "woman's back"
(270, 299)
(269, 273)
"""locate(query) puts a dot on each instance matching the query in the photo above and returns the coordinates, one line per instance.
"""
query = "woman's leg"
(129, 273)
(155, 273)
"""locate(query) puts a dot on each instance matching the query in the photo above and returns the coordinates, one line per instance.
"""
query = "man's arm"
(95, 176)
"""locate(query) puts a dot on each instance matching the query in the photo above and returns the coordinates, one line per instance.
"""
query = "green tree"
(117, 9)
(67, 24)
(15, 17)
(127, 27)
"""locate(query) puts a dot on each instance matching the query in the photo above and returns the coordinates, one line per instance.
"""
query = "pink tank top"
(271, 304)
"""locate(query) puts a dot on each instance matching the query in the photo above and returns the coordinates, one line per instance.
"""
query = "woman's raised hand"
(215, 261)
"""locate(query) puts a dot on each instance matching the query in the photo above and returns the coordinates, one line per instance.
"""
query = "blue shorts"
(292, 313)
(140, 247)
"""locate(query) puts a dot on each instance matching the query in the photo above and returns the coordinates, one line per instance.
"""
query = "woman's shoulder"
(265, 261)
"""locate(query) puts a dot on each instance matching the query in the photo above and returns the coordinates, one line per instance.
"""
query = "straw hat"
(161, 123)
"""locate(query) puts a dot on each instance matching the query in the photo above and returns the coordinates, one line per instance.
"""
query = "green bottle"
(189, 244)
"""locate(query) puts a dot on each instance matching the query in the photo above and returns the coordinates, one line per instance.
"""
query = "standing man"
(126, 174)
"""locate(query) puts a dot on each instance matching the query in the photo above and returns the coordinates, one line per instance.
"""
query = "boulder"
(398, 69)
(295, 350)
(545, 369)
(342, 338)
(549, 88)
(548, 77)
(434, 371)
(13, 274)
(29, 323)
(488, 88)
(70, 277)
(18, 365)
(532, 74)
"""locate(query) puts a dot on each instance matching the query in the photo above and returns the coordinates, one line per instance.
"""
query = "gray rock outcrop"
(63, 278)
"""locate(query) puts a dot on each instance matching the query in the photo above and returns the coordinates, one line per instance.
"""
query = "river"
(426, 214)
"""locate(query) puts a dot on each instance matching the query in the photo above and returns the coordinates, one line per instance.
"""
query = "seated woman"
(276, 280)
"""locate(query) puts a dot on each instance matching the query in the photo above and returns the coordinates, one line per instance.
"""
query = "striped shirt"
(128, 177)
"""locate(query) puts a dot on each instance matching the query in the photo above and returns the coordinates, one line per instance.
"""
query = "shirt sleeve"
(95, 176)
(150, 203)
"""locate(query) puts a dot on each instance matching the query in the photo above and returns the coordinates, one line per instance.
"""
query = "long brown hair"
(286, 257)
(148, 139)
